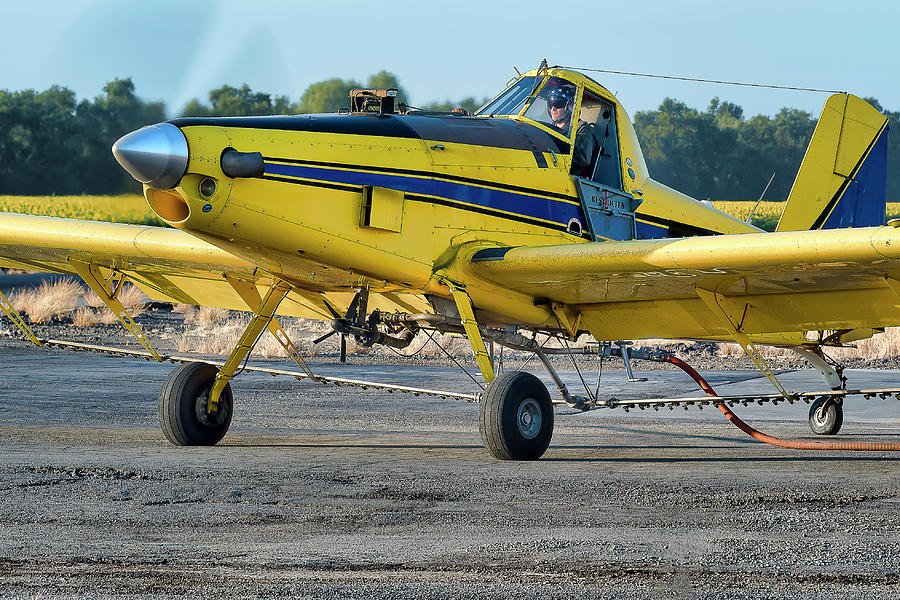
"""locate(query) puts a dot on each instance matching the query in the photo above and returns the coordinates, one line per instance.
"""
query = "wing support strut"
(470, 325)
(263, 318)
(250, 295)
(711, 299)
(14, 316)
(92, 276)
(559, 310)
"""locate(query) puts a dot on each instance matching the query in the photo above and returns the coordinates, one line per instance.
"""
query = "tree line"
(719, 154)
(51, 143)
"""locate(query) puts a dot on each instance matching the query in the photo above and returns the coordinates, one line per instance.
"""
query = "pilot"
(560, 102)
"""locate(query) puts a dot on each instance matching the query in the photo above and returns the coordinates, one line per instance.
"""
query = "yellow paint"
(470, 324)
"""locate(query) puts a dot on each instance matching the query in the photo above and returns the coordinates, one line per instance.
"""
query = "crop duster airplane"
(537, 214)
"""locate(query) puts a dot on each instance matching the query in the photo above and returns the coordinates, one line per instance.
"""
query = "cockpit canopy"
(577, 114)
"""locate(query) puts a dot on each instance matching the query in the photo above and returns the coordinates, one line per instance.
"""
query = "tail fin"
(842, 181)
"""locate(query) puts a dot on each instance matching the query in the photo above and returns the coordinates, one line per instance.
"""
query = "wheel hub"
(204, 416)
(821, 415)
(528, 418)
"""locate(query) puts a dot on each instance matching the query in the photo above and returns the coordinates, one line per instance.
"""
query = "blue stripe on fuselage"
(536, 207)
(649, 231)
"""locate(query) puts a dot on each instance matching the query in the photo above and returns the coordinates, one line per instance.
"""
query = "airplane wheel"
(516, 417)
(182, 406)
(828, 421)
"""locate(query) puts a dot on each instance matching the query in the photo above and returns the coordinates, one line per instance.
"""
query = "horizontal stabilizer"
(842, 181)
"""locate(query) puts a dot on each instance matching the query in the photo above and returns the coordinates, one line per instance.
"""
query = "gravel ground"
(324, 492)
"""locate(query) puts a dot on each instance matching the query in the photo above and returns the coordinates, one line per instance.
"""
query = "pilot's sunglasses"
(558, 102)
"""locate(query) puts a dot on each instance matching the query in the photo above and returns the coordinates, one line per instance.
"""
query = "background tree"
(469, 103)
(228, 101)
(110, 116)
(327, 96)
(384, 79)
(50, 145)
(332, 94)
(718, 154)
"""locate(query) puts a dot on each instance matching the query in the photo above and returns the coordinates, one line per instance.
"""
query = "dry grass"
(66, 297)
(882, 345)
(85, 316)
(217, 331)
(202, 316)
(48, 300)
(879, 346)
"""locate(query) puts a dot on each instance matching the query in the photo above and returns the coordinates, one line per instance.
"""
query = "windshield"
(511, 101)
(554, 105)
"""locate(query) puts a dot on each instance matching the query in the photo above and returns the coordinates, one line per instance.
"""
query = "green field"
(131, 208)
(126, 208)
(767, 214)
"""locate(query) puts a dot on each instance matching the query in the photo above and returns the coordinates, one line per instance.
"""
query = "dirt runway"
(324, 492)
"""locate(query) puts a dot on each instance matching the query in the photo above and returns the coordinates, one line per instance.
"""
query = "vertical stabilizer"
(842, 181)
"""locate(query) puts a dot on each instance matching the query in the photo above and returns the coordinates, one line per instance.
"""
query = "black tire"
(182, 406)
(516, 417)
(827, 422)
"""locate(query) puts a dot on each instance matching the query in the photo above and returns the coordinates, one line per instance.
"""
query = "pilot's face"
(557, 115)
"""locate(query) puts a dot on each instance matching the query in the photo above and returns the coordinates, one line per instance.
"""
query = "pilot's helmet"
(561, 96)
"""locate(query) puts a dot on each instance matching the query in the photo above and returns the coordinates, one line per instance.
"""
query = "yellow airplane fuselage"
(396, 211)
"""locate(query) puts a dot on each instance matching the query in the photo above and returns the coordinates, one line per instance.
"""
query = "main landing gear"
(184, 414)
(516, 417)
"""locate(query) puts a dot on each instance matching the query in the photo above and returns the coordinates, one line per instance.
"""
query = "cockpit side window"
(554, 105)
(600, 120)
(511, 101)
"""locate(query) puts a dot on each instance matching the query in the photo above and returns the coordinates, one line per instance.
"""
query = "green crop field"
(126, 208)
(768, 213)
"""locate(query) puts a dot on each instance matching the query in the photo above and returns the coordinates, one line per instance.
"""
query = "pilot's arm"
(585, 142)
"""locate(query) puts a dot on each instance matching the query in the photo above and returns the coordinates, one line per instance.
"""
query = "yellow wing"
(766, 283)
(168, 264)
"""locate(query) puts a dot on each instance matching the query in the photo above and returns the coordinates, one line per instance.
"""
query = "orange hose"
(768, 439)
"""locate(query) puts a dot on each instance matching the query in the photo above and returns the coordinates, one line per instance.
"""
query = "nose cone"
(156, 155)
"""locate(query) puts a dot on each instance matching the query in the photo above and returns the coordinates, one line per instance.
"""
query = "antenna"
(765, 189)
(537, 80)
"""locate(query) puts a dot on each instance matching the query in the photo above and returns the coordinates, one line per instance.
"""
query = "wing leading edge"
(766, 283)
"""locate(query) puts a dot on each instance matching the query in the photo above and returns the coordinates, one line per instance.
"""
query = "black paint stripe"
(321, 184)
(476, 131)
(417, 173)
(490, 254)
(331, 123)
(539, 159)
(692, 229)
(826, 212)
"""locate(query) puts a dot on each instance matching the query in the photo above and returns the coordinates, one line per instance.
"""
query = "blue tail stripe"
(864, 200)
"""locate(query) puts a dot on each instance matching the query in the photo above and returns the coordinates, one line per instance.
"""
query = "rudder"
(842, 181)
